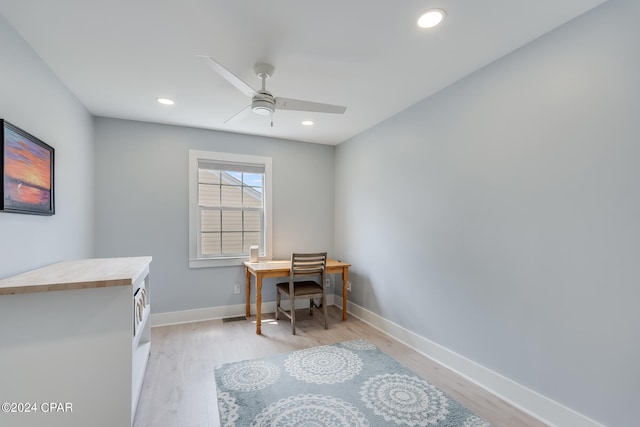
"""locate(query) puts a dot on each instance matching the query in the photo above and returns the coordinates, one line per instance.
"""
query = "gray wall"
(522, 252)
(142, 204)
(32, 98)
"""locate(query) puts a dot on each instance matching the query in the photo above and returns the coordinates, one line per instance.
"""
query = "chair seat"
(306, 287)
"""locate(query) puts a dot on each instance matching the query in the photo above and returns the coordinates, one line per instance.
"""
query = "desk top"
(77, 274)
(285, 265)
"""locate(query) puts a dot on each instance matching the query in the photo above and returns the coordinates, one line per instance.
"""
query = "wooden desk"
(266, 269)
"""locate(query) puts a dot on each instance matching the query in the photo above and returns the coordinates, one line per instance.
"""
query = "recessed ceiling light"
(165, 101)
(430, 18)
(307, 123)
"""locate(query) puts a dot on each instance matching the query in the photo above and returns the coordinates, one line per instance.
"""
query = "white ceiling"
(118, 56)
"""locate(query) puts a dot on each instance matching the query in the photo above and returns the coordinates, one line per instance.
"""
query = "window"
(229, 207)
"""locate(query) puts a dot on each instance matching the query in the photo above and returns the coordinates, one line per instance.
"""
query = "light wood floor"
(179, 389)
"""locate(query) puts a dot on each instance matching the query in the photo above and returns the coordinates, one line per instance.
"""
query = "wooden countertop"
(77, 274)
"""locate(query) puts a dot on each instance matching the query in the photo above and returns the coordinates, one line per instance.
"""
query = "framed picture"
(26, 183)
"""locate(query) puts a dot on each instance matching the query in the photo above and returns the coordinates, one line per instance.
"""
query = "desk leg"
(345, 279)
(248, 292)
(258, 303)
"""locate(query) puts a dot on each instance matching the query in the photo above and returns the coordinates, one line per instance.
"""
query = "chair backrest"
(303, 264)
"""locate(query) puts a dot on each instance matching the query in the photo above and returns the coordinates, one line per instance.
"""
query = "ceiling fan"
(262, 101)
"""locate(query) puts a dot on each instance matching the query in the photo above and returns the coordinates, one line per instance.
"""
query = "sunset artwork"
(27, 174)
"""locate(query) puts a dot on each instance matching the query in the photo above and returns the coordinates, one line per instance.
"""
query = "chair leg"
(324, 311)
(310, 306)
(278, 296)
(293, 316)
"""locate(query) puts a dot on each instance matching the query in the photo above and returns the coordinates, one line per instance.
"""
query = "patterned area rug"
(347, 384)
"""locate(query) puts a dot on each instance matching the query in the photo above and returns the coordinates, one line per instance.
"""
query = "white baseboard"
(527, 400)
(213, 313)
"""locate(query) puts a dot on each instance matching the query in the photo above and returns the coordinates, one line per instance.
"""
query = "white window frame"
(195, 261)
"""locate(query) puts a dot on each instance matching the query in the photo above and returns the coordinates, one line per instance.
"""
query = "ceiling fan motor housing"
(263, 103)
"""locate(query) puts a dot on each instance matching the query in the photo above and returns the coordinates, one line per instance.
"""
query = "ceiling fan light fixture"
(261, 107)
(262, 111)
(431, 17)
(165, 101)
(263, 103)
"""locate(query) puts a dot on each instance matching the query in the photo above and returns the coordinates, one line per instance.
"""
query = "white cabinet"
(74, 342)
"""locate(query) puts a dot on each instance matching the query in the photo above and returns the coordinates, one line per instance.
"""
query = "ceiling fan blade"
(240, 113)
(299, 105)
(229, 76)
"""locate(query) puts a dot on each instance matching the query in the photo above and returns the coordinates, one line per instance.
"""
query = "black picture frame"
(27, 172)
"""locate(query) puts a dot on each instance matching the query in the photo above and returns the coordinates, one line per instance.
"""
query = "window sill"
(217, 262)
